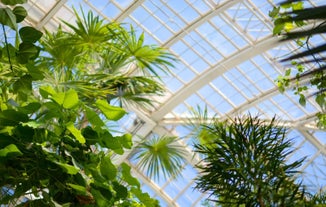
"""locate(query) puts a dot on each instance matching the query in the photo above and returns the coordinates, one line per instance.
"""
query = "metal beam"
(199, 21)
(50, 14)
(212, 73)
(298, 124)
(313, 141)
(130, 9)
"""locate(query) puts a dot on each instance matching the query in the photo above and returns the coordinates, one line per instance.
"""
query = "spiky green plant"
(245, 163)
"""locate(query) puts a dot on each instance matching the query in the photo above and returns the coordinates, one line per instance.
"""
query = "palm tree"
(158, 156)
(245, 164)
(101, 59)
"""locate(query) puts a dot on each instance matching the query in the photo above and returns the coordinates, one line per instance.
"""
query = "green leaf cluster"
(309, 80)
(55, 143)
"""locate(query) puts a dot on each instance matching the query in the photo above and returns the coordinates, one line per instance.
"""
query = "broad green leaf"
(320, 99)
(90, 135)
(278, 28)
(99, 198)
(30, 108)
(10, 150)
(20, 13)
(34, 72)
(122, 191)
(24, 84)
(108, 170)
(13, 2)
(30, 34)
(7, 17)
(11, 49)
(126, 140)
(46, 91)
(77, 133)
(113, 143)
(27, 51)
(144, 197)
(72, 170)
(93, 117)
(58, 97)
(70, 99)
(111, 112)
(78, 188)
(11, 117)
(127, 175)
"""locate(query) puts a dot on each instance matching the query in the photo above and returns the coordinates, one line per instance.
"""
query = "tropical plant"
(104, 60)
(53, 114)
(245, 164)
(294, 22)
(158, 156)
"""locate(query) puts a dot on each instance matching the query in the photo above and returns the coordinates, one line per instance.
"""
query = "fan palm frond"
(160, 156)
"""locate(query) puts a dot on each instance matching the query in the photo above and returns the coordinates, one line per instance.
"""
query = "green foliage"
(292, 15)
(245, 164)
(102, 60)
(13, 2)
(54, 141)
(160, 156)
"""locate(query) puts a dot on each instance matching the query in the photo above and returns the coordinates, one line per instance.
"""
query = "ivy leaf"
(72, 170)
(30, 34)
(20, 13)
(13, 2)
(108, 170)
(10, 150)
(7, 17)
(111, 112)
(77, 133)
(70, 99)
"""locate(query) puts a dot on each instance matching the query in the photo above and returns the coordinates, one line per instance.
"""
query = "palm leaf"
(158, 156)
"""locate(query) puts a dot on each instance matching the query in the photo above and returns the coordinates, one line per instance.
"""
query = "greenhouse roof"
(228, 61)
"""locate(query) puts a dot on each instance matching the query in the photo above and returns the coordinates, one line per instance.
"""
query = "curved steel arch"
(214, 72)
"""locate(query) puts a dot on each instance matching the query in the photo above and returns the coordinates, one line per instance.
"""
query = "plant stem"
(6, 41)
